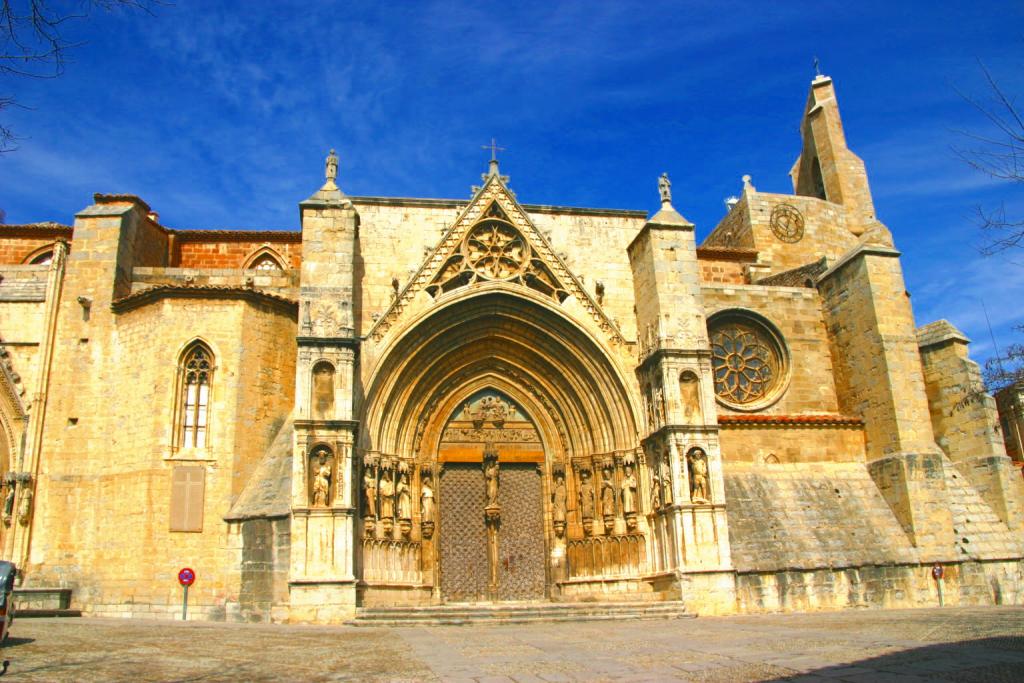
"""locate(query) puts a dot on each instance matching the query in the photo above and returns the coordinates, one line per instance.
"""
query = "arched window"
(264, 258)
(266, 262)
(42, 256)
(194, 409)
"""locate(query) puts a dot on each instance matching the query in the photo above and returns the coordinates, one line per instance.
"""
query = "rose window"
(747, 362)
(495, 250)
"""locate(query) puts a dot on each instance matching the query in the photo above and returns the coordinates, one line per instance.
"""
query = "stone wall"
(796, 312)
(229, 249)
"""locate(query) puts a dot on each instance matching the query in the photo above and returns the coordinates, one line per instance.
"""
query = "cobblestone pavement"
(970, 644)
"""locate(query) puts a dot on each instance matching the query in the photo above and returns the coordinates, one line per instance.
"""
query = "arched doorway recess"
(486, 389)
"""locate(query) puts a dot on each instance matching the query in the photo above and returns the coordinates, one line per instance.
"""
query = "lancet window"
(194, 410)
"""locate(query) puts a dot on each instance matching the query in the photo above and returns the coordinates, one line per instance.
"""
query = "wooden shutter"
(188, 489)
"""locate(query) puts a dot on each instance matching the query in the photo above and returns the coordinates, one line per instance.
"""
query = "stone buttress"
(322, 583)
(681, 446)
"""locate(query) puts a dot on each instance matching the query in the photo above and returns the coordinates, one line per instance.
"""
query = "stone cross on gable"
(494, 149)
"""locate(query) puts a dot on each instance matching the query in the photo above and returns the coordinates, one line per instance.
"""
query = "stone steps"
(517, 613)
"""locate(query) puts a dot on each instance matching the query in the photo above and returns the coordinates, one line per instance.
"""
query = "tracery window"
(194, 412)
(748, 360)
(494, 249)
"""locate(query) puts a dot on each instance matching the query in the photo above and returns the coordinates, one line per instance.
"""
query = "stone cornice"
(759, 420)
(350, 342)
(153, 294)
(853, 254)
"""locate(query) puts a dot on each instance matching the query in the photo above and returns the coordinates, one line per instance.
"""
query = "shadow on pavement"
(14, 641)
(998, 658)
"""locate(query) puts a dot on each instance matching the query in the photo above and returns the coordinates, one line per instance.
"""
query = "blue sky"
(219, 114)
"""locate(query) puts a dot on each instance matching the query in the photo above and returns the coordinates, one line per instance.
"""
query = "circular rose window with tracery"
(496, 250)
(748, 360)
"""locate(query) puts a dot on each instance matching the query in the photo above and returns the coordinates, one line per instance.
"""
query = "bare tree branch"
(33, 44)
(998, 154)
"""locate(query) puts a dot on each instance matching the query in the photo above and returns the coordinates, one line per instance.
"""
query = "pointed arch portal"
(491, 400)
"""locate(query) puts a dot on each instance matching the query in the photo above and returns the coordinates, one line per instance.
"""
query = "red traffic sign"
(186, 577)
(937, 572)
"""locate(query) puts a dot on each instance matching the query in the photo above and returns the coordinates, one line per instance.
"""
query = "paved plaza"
(970, 644)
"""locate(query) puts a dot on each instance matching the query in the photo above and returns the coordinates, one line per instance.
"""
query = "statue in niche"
(628, 496)
(558, 498)
(25, 506)
(666, 483)
(689, 398)
(655, 492)
(649, 408)
(323, 391)
(698, 462)
(586, 500)
(9, 503)
(404, 497)
(628, 490)
(607, 498)
(659, 404)
(387, 495)
(370, 491)
(491, 478)
(321, 481)
(427, 507)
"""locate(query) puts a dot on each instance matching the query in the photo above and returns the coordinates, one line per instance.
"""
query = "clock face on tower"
(787, 223)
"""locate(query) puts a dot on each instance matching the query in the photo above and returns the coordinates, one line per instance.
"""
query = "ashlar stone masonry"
(414, 402)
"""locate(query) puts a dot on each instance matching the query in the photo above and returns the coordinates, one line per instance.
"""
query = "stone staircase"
(517, 613)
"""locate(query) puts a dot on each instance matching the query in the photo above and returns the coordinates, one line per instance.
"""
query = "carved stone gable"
(494, 240)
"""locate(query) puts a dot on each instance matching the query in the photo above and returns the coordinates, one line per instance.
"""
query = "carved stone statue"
(426, 501)
(370, 491)
(9, 503)
(628, 490)
(607, 498)
(586, 496)
(323, 390)
(387, 495)
(404, 498)
(659, 404)
(655, 493)
(321, 482)
(558, 497)
(666, 483)
(665, 189)
(689, 398)
(25, 506)
(331, 166)
(698, 461)
(491, 477)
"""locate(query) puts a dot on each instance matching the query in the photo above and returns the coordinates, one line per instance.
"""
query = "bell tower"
(826, 168)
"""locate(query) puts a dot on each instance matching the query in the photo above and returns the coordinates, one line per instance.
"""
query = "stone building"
(424, 401)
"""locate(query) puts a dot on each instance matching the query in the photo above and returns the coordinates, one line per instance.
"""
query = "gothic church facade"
(419, 402)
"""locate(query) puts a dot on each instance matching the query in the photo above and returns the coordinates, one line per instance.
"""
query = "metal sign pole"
(184, 603)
